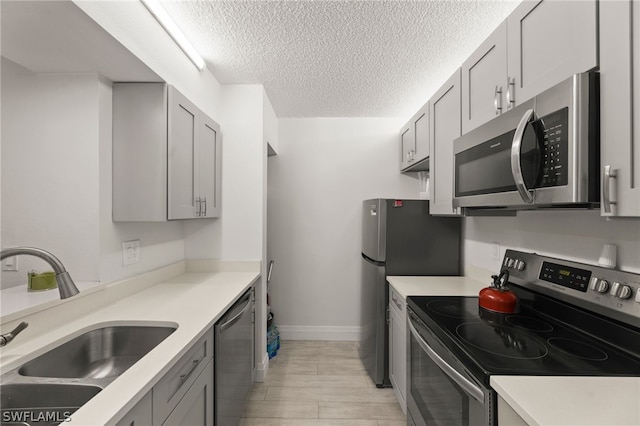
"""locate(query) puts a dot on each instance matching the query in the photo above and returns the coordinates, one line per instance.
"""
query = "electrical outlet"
(10, 263)
(130, 252)
(495, 251)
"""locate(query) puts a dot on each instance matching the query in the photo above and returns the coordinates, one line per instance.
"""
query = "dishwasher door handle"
(236, 317)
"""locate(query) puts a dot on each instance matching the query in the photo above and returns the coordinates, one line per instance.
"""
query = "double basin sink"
(49, 388)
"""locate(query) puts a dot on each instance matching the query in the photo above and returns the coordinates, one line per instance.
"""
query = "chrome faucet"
(66, 286)
(6, 338)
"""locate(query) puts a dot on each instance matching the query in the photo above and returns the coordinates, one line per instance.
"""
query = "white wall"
(50, 169)
(160, 243)
(571, 234)
(325, 167)
(134, 27)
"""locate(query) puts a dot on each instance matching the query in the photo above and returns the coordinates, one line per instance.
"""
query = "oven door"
(440, 390)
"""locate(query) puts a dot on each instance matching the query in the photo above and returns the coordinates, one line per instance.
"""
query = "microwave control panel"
(554, 148)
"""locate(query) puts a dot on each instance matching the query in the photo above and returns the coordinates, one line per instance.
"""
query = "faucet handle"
(6, 338)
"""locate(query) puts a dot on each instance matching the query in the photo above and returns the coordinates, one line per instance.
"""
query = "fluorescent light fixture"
(172, 29)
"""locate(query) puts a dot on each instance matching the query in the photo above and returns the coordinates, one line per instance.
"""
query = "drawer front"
(397, 301)
(172, 387)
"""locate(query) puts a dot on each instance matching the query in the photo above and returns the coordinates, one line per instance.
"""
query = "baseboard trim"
(297, 332)
(260, 372)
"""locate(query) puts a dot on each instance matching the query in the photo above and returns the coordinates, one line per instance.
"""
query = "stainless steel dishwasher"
(233, 358)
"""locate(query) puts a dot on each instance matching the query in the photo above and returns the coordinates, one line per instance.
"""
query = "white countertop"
(193, 301)
(436, 286)
(572, 401)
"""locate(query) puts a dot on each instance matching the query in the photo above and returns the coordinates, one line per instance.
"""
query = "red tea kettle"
(498, 298)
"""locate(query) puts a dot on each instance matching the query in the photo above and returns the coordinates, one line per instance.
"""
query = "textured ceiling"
(338, 58)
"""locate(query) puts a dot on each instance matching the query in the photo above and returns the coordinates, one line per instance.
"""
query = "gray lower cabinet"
(170, 392)
(398, 346)
(620, 108)
(196, 406)
(507, 415)
(141, 414)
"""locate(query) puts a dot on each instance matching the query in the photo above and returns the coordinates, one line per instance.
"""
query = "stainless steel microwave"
(542, 153)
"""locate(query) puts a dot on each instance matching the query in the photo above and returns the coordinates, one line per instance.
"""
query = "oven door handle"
(461, 381)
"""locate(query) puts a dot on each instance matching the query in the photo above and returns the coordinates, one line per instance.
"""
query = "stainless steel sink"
(42, 403)
(104, 353)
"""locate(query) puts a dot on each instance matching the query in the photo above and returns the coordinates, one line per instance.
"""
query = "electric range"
(572, 319)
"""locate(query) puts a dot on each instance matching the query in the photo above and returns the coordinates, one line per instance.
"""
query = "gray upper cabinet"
(620, 107)
(183, 154)
(540, 44)
(166, 155)
(548, 41)
(415, 142)
(484, 81)
(445, 124)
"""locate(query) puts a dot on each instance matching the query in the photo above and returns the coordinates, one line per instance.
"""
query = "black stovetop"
(532, 341)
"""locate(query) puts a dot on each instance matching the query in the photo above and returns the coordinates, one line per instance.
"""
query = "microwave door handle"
(471, 389)
(516, 168)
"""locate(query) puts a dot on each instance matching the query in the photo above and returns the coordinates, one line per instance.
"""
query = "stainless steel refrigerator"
(399, 238)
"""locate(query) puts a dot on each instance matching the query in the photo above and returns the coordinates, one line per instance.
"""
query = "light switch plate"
(130, 252)
(10, 263)
(495, 251)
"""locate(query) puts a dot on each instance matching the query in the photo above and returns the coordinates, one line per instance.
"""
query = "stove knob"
(510, 263)
(615, 289)
(520, 264)
(602, 286)
(625, 292)
(594, 283)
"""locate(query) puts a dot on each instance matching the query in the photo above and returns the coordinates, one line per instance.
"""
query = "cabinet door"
(182, 154)
(445, 117)
(421, 123)
(408, 144)
(140, 415)
(196, 407)
(620, 106)
(484, 81)
(209, 168)
(548, 41)
(398, 346)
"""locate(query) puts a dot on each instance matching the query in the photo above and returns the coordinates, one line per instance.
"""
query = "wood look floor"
(319, 383)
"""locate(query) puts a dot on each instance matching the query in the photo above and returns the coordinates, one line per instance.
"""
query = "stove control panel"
(610, 292)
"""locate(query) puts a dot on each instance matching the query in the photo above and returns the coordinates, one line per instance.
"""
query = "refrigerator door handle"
(370, 260)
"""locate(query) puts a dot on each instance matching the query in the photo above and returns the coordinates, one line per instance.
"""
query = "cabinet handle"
(497, 100)
(204, 201)
(185, 377)
(198, 207)
(511, 95)
(606, 188)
